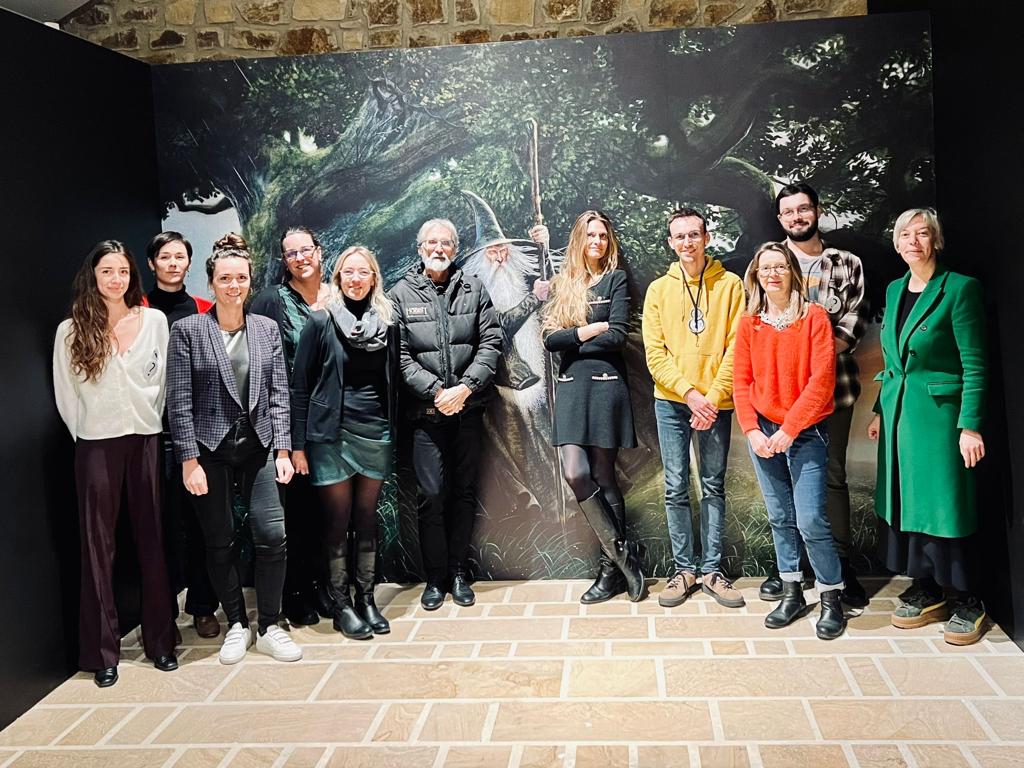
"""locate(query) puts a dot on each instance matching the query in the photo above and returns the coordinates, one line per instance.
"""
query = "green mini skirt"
(364, 449)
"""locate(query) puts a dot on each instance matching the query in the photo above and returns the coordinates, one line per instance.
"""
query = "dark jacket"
(202, 396)
(447, 339)
(318, 382)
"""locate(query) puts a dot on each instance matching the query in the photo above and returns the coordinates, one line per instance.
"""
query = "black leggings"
(587, 468)
(350, 502)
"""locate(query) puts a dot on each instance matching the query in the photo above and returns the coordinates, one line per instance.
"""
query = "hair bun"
(231, 240)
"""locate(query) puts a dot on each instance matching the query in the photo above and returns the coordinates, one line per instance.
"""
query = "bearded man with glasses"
(450, 340)
(833, 279)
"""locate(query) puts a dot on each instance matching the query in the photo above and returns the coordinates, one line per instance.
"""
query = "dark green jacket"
(933, 386)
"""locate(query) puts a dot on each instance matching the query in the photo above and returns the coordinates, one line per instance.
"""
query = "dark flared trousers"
(446, 458)
(104, 470)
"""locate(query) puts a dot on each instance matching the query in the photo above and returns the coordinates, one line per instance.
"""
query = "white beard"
(437, 263)
(507, 288)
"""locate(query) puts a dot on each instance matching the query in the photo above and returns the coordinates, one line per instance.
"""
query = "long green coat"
(933, 386)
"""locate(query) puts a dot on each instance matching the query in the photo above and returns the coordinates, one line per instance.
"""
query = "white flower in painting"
(307, 143)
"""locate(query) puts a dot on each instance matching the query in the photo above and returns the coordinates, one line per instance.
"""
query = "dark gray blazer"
(202, 397)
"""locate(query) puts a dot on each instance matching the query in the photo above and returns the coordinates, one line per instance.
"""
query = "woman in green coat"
(928, 422)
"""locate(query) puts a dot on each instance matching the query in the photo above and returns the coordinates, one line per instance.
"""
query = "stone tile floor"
(529, 678)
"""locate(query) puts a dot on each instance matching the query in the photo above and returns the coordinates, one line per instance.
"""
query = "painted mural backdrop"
(364, 147)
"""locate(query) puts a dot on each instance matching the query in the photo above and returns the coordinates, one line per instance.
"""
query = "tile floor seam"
(790, 648)
(475, 653)
(660, 679)
(371, 729)
(850, 755)
(417, 623)
(219, 688)
(906, 754)
(563, 688)
(607, 647)
(972, 761)
(693, 755)
(174, 758)
(441, 756)
(570, 756)
(17, 754)
(988, 729)
(322, 682)
(229, 757)
(325, 758)
(717, 729)
(565, 627)
(508, 596)
(815, 728)
(489, 721)
(754, 756)
(567, 597)
(848, 674)
(980, 669)
(119, 726)
(633, 756)
(515, 756)
(421, 721)
(708, 651)
(148, 741)
(282, 759)
(884, 674)
(651, 631)
(56, 740)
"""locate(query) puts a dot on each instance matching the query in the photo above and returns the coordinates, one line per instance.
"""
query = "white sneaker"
(278, 644)
(236, 641)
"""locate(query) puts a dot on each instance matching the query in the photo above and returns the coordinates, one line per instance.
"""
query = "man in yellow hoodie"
(689, 325)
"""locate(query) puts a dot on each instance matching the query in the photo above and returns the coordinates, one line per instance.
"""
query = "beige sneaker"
(679, 587)
(720, 588)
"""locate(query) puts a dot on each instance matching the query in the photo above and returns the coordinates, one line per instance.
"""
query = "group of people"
(291, 404)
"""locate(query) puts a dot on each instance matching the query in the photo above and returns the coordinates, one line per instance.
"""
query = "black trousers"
(186, 550)
(240, 463)
(304, 524)
(104, 470)
(446, 458)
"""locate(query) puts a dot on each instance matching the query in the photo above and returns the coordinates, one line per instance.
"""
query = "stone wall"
(162, 31)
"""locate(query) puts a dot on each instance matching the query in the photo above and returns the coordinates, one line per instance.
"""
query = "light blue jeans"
(794, 488)
(674, 432)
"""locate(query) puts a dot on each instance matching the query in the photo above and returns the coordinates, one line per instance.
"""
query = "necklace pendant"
(697, 323)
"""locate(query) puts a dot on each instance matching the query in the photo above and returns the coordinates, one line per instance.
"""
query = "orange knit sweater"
(787, 376)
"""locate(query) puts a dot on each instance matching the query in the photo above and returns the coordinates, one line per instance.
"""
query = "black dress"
(920, 555)
(592, 405)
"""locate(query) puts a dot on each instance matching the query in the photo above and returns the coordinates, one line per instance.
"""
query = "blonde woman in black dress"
(587, 320)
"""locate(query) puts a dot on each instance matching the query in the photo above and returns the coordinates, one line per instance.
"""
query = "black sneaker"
(967, 624)
(918, 608)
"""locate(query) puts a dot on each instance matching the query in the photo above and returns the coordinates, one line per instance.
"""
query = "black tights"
(352, 501)
(587, 468)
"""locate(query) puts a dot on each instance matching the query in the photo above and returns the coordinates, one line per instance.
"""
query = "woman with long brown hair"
(109, 362)
(343, 413)
(587, 320)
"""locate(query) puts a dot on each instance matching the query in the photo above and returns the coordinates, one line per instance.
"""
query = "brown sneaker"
(720, 588)
(679, 587)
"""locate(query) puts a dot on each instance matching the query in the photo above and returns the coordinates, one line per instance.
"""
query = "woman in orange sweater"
(783, 379)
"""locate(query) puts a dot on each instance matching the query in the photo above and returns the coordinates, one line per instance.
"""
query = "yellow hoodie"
(680, 359)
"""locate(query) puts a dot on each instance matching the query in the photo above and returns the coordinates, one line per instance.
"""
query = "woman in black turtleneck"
(343, 409)
(170, 255)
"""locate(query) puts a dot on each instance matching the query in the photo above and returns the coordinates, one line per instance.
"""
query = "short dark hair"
(800, 188)
(685, 213)
(299, 230)
(163, 239)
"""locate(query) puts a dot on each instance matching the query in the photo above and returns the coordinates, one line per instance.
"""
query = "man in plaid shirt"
(835, 280)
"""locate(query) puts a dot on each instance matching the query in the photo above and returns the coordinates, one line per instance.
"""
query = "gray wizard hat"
(488, 231)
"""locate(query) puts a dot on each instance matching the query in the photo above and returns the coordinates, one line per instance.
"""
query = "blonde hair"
(570, 289)
(931, 219)
(757, 300)
(378, 299)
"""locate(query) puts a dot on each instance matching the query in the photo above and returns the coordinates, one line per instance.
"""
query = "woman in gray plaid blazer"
(227, 405)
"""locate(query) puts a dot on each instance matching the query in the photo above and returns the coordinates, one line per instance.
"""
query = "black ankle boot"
(462, 594)
(322, 598)
(853, 595)
(366, 569)
(791, 606)
(345, 618)
(771, 588)
(621, 551)
(608, 584)
(832, 622)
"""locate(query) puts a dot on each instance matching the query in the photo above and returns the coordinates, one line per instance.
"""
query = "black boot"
(296, 610)
(832, 622)
(853, 595)
(771, 588)
(609, 581)
(621, 551)
(366, 570)
(791, 607)
(462, 594)
(322, 598)
(346, 620)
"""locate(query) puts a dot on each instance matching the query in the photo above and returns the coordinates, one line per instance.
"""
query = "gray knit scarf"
(368, 332)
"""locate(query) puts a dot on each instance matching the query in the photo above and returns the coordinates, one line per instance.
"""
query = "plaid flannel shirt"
(842, 295)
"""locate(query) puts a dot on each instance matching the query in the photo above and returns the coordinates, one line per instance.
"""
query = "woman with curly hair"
(109, 362)
(587, 320)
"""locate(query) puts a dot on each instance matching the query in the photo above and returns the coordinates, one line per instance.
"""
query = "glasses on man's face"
(803, 210)
(305, 252)
(683, 237)
(778, 269)
(432, 244)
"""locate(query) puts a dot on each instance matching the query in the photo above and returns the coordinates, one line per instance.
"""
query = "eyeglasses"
(432, 244)
(305, 252)
(682, 237)
(803, 210)
(778, 269)
(363, 274)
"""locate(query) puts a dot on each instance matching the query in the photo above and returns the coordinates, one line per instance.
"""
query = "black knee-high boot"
(620, 550)
(609, 581)
(366, 571)
(346, 620)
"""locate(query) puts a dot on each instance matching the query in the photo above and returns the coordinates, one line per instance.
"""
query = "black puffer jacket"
(447, 339)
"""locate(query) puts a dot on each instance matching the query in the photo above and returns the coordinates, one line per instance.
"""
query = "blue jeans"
(793, 484)
(674, 433)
